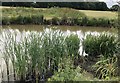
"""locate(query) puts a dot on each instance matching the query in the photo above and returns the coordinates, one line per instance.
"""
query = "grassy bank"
(57, 16)
(48, 12)
(38, 56)
(89, 13)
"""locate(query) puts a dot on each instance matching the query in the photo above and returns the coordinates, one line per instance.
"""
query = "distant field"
(99, 14)
(56, 12)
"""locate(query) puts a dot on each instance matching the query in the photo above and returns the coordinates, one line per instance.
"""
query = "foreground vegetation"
(38, 56)
(54, 16)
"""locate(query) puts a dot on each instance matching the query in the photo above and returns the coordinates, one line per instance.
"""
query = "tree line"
(76, 5)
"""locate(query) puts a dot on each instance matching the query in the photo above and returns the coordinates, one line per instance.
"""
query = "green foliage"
(102, 44)
(68, 12)
(67, 72)
(103, 22)
(115, 8)
(29, 19)
(92, 21)
(114, 23)
(64, 20)
(81, 5)
(5, 21)
(55, 21)
(23, 54)
(37, 19)
(106, 68)
(72, 43)
(54, 47)
(53, 16)
(84, 21)
(36, 54)
(98, 22)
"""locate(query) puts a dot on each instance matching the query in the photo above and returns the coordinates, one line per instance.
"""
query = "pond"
(63, 28)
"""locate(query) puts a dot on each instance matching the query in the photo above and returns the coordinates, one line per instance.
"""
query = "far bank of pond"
(56, 16)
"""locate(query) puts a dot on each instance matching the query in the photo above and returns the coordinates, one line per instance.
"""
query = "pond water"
(63, 28)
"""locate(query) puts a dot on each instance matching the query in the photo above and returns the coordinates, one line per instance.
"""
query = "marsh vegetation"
(36, 56)
(58, 44)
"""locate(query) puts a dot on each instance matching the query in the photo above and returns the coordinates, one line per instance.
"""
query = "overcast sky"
(110, 2)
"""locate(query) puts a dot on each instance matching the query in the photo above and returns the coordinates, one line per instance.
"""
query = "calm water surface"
(63, 28)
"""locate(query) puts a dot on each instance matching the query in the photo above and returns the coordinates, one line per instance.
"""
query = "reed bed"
(35, 56)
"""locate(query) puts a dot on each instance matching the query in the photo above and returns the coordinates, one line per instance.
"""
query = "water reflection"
(63, 28)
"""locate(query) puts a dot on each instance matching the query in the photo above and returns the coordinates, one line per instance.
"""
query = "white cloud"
(110, 2)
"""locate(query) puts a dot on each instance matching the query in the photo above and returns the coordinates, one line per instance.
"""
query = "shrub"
(114, 23)
(48, 22)
(103, 22)
(29, 19)
(67, 72)
(72, 21)
(19, 20)
(37, 19)
(64, 20)
(5, 21)
(55, 21)
(92, 22)
(102, 44)
(84, 21)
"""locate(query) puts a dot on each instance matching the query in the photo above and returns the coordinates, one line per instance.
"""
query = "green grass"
(56, 12)
(100, 14)
(58, 16)
(48, 13)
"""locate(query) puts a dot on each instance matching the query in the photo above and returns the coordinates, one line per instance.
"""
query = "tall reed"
(105, 44)
(36, 54)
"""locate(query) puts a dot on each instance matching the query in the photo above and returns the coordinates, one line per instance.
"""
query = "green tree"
(114, 8)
